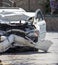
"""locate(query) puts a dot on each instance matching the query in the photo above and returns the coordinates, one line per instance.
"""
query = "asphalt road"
(34, 58)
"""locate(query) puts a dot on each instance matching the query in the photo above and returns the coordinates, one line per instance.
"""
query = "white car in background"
(21, 28)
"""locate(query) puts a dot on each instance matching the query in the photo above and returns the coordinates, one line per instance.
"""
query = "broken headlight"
(33, 35)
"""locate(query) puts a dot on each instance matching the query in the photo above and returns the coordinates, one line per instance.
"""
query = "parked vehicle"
(21, 28)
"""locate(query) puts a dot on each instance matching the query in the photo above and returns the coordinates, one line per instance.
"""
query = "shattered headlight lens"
(34, 35)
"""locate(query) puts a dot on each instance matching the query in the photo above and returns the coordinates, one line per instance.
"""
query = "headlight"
(33, 35)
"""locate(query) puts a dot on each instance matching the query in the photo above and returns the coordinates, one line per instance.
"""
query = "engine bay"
(20, 29)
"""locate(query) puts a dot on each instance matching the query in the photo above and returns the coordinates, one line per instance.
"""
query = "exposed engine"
(24, 30)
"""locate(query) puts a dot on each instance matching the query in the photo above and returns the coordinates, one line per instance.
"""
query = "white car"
(21, 28)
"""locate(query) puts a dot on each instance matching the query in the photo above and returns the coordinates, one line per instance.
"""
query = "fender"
(22, 41)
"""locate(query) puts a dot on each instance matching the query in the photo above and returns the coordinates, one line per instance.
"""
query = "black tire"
(45, 51)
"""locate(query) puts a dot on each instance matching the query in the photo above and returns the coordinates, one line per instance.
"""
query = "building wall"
(52, 23)
(22, 4)
(35, 4)
(1, 3)
(6, 3)
(28, 5)
(31, 5)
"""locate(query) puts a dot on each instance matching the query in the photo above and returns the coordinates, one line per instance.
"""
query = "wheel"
(45, 51)
(35, 49)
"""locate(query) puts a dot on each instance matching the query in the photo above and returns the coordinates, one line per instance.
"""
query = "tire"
(45, 51)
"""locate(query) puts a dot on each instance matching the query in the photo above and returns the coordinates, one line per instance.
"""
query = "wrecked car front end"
(20, 28)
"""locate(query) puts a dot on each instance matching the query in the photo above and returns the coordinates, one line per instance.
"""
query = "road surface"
(34, 58)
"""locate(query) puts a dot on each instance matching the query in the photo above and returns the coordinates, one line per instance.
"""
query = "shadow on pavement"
(22, 51)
